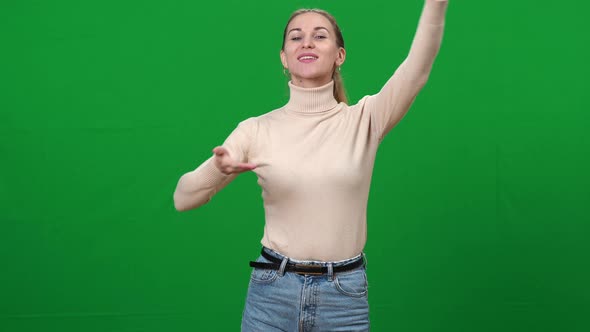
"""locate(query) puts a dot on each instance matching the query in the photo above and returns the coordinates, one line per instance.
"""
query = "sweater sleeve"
(392, 102)
(196, 188)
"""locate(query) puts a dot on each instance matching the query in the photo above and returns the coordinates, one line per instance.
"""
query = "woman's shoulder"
(254, 122)
(265, 118)
(357, 107)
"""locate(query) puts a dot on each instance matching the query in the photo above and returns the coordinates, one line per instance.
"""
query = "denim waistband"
(312, 262)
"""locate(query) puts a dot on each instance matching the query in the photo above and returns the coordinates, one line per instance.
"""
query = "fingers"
(227, 165)
(220, 151)
(240, 167)
(236, 168)
(246, 166)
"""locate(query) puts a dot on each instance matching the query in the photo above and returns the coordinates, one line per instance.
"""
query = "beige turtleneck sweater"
(315, 156)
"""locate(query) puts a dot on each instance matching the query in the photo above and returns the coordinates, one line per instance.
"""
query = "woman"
(314, 159)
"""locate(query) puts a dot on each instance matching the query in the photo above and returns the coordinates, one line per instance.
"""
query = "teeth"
(307, 58)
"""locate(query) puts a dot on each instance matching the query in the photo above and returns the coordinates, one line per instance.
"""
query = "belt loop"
(283, 265)
(364, 259)
(330, 272)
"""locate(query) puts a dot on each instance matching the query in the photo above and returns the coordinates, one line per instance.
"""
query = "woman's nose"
(308, 42)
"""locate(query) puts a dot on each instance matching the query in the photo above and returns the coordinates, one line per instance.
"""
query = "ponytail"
(339, 91)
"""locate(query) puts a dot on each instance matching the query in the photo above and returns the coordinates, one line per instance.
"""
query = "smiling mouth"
(307, 58)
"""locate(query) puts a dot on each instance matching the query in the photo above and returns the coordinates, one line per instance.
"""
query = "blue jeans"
(288, 301)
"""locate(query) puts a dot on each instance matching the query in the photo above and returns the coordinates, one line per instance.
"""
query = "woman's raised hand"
(227, 165)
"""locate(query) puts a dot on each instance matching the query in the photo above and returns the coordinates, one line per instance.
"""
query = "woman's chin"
(312, 77)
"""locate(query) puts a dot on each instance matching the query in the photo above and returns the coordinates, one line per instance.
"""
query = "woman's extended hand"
(227, 165)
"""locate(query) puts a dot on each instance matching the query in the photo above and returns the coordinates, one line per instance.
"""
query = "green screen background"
(479, 209)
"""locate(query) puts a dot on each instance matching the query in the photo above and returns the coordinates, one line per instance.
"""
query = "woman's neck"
(311, 100)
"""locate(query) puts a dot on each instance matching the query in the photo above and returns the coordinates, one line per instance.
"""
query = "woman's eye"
(295, 38)
(320, 37)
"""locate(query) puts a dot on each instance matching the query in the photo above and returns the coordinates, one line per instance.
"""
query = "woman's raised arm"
(395, 98)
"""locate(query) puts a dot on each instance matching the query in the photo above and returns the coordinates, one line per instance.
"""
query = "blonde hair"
(339, 91)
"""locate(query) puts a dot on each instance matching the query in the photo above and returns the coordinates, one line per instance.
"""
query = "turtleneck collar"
(311, 100)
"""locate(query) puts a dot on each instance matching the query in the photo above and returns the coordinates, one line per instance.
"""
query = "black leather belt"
(305, 268)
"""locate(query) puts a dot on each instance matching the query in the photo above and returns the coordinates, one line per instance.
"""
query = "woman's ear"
(341, 56)
(284, 59)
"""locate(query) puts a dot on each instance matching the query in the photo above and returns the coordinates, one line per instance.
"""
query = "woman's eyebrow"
(315, 29)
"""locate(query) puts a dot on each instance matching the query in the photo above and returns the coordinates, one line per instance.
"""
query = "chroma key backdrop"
(479, 210)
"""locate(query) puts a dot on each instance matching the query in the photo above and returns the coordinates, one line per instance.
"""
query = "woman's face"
(310, 52)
